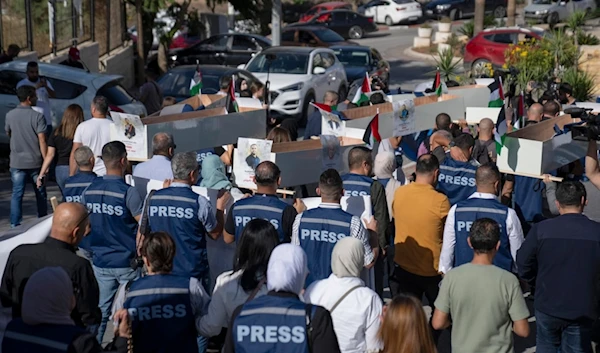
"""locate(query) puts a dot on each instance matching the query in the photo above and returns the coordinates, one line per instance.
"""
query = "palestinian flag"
(500, 130)
(372, 133)
(324, 107)
(496, 94)
(360, 96)
(437, 84)
(196, 82)
(232, 95)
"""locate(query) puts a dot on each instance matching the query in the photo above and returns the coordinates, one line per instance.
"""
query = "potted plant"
(425, 31)
(445, 25)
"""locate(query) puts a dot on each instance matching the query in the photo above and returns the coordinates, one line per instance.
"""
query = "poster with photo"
(331, 158)
(248, 155)
(332, 124)
(130, 130)
(404, 117)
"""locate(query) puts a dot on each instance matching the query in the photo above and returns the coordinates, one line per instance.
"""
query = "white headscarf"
(48, 298)
(348, 257)
(287, 269)
(385, 164)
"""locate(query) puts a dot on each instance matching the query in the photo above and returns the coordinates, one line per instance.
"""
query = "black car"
(176, 82)
(358, 60)
(457, 9)
(222, 49)
(346, 23)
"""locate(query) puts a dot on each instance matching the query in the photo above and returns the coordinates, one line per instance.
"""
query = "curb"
(427, 57)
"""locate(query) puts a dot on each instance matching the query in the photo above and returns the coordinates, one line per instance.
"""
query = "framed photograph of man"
(248, 155)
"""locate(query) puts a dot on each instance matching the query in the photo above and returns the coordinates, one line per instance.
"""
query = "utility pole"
(276, 23)
(510, 13)
(141, 58)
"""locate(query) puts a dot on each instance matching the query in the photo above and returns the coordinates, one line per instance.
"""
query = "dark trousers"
(408, 283)
(554, 335)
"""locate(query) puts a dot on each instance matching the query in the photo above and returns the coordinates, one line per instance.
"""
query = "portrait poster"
(332, 124)
(247, 156)
(331, 158)
(404, 117)
(130, 130)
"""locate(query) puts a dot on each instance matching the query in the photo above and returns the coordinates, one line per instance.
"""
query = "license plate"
(414, 18)
(429, 12)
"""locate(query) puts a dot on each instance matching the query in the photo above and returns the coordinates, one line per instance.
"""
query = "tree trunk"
(510, 12)
(141, 54)
(163, 63)
(479, 15)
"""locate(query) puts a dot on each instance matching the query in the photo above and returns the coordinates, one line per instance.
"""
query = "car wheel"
(388, 21)
(307, 109)
(342, 93)
(553, 18)
(500, 12)
(355, 32)
(455, 14)
(478, 66)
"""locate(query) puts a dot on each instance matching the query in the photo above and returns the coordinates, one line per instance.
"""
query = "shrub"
(587, 38)
(576, 20)
(425, 25)
(447, 65)
(532, 60)
(445, 19)
(467, 29)
(582, 82)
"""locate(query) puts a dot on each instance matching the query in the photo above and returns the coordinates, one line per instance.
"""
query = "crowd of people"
(456, 235)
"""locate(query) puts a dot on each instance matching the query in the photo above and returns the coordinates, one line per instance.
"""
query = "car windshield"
(284, 63)
(542, 2)
(352, 57)
(328, 36)
(177, 83)
(115, 94)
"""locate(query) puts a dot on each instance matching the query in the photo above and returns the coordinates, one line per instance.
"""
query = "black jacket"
(26, 259)
(322, 339)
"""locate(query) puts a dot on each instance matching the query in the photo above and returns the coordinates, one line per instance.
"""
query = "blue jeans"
(61, 173)
(556, 335)
(109, 280)
(19, 178)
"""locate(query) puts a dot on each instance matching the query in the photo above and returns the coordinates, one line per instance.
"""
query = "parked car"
(297, 77)
(357, 60)
(72, 86)
(322, 7)
(490, 45)
(176, 82)
(457, 9)
(556, 11)
(311, 36)
(346, 23)
(292, 11)
(392, 12)
(221, 49)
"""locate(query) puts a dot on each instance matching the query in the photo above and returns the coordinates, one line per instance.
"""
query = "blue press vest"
(466, 213)
(271, 324)
(457, 179)
(161, 312)
(528, 197)
(175, 211)
(74, 188)
(20, 337)
(267, 207)
(319, 231)
(357, 185)
(113, 226)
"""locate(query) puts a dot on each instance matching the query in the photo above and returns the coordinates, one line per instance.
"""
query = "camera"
(591, 129)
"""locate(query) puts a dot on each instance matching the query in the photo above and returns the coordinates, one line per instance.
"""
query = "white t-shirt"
(43, 103)
(94, 133)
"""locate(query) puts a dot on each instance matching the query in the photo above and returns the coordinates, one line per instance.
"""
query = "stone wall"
(120, 62)
(590, 62)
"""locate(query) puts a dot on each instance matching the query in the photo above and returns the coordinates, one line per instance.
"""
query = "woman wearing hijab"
(354, 308)
(46, 325)
(214, 176)
(280, 321)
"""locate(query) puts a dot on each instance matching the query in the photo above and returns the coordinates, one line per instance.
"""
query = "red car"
(326, 6)
(490, 44)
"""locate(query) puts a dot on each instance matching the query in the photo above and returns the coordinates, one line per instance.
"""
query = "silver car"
(71, 85)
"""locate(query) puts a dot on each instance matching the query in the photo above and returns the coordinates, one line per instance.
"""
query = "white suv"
(298, 76)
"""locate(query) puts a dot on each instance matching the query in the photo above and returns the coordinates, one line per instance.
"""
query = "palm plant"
(582, 82)
(447, 64)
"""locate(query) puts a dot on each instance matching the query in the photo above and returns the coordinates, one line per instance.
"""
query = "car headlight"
(174, 57)
(443, 7)
(295, 87)
(541, 12)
